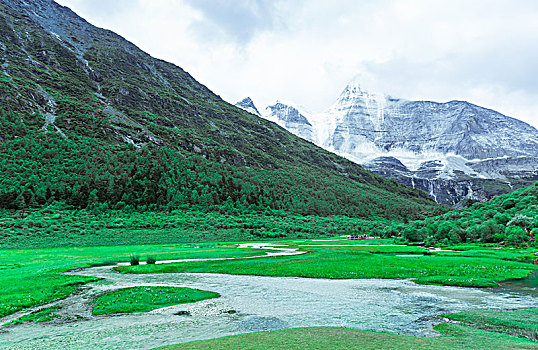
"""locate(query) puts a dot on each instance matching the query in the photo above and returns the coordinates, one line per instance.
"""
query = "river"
(254, 303)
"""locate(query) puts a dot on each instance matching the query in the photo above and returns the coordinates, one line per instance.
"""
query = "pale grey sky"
(482, 51)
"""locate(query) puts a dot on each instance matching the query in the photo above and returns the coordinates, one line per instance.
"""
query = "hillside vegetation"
(89, 119)
(510, 219)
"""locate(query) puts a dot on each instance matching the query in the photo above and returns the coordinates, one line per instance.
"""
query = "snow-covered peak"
(363, 86)
(290, 116)
(443, 147)
(354, 87)
(300, 108)
(248, 105)
(355, 93)
(286, 112)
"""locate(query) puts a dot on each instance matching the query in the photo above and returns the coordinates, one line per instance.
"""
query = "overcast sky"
(485, 52)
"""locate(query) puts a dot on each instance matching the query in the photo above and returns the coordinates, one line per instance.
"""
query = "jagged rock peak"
(358, 89)
(290, 117)
(248, 105)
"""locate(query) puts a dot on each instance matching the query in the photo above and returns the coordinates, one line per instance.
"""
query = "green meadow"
(146, 298)
(522, 323)
(451, 337)
(31, 277)
(474, 269)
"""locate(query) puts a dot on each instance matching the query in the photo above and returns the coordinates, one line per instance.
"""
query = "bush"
(151, 260)
(521, 221)
(135, 260)
(413, 234)
(430, 241)
(509, 203)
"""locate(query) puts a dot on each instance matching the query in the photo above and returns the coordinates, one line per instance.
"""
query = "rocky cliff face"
(451, 190)
(454, 151)
(284, 114)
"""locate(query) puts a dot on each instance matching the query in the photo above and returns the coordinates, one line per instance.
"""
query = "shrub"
(413, 234)
(430, 241)
(135, 260)
(515, 235)
(509, 203)
(151, 260)
(521, 221)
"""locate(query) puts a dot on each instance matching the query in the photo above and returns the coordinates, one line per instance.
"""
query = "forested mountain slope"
(87, 117)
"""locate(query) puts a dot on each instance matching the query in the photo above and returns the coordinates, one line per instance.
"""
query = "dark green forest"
(40, 169)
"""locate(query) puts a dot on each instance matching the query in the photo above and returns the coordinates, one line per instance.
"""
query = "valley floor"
(342, 259)
(336, 258)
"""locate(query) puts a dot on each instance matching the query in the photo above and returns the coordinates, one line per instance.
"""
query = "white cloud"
(482, 51)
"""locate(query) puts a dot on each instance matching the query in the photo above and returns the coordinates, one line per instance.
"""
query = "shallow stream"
(253, 303)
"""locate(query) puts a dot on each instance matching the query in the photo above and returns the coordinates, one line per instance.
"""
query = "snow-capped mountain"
(453, 151)
(291, 118)
(248, 105)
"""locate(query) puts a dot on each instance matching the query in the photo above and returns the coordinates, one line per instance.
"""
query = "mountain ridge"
(479, 155)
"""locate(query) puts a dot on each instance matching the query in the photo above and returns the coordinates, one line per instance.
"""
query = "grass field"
(472, 270)
(516, 322)
(453, 337)
(29, 277)
(146, 298)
